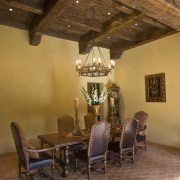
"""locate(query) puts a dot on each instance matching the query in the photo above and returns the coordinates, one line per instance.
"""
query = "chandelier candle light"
(112, 102)
(95, 64)
(97, 67)
(76, 131)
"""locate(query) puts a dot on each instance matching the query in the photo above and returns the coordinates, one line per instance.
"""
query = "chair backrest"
(99, 139)
(142, 117)
(143, 120)
(65, 123)
(20, 142)
(129, 132)
(89, 120)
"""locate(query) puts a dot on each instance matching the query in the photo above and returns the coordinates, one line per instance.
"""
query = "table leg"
(64, 160)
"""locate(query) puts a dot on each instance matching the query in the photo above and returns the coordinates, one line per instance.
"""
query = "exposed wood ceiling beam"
(161, 10)
(143, 38)
(35, 38)
(124, 9)
(21, 5)
(154, 22)
(134, 22)
(14, 24)
(61, 35)
(175, 3)
(53, 9)
(115, 55)
(121, 7)
(121, 23)
(88, 25)
(86, 41)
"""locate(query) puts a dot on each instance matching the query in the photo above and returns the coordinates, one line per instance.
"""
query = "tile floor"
(158, 162)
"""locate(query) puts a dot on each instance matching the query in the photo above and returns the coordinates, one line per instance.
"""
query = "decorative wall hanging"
(155, 88)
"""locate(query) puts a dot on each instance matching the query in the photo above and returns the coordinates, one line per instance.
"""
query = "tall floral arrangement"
(93, 98)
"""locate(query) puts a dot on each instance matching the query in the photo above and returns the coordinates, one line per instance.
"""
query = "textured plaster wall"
(156, 57)
(38, 84)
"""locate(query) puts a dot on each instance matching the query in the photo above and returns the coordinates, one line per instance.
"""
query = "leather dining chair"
(143, 118)
(89, 120)
(126, 143)
(65, 124)
(97, 146)
(65, 128)
(28, 157)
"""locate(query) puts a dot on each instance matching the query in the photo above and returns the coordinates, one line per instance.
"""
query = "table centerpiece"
(95, 99)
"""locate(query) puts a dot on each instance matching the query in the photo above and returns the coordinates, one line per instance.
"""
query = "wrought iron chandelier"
(95, 64)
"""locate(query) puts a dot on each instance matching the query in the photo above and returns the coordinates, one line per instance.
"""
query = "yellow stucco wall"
(156, 57)
(38, 84)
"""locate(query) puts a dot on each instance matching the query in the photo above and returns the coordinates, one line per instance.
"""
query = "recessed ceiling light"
(109, 13)
(136, 24)
(108, 37)
(77, 1)
(68, 25)
(10, 9)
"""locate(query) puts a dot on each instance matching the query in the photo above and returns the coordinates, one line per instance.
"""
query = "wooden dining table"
(62, 142)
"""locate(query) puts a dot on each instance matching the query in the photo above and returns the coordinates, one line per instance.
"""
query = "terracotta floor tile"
(158, 162)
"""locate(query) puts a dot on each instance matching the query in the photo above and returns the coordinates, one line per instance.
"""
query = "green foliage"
(93, 98)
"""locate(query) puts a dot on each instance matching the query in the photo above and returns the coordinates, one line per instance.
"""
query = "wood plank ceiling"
(118, 25)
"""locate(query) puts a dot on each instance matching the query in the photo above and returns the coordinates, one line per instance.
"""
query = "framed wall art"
(155, 88)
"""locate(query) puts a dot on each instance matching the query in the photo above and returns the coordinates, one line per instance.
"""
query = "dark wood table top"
(58, 140)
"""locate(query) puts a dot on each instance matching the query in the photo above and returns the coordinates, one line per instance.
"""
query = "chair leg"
(76, 164)
(145, 145)
(133, 156)
(52, 168)
(105, 165)
(19, 166)
(120, 157)
(135, 146)
(135, 151)
(88, 169)
(29, 177)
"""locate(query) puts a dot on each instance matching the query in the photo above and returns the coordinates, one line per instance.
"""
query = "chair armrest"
(142, 130)
(40, 150)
